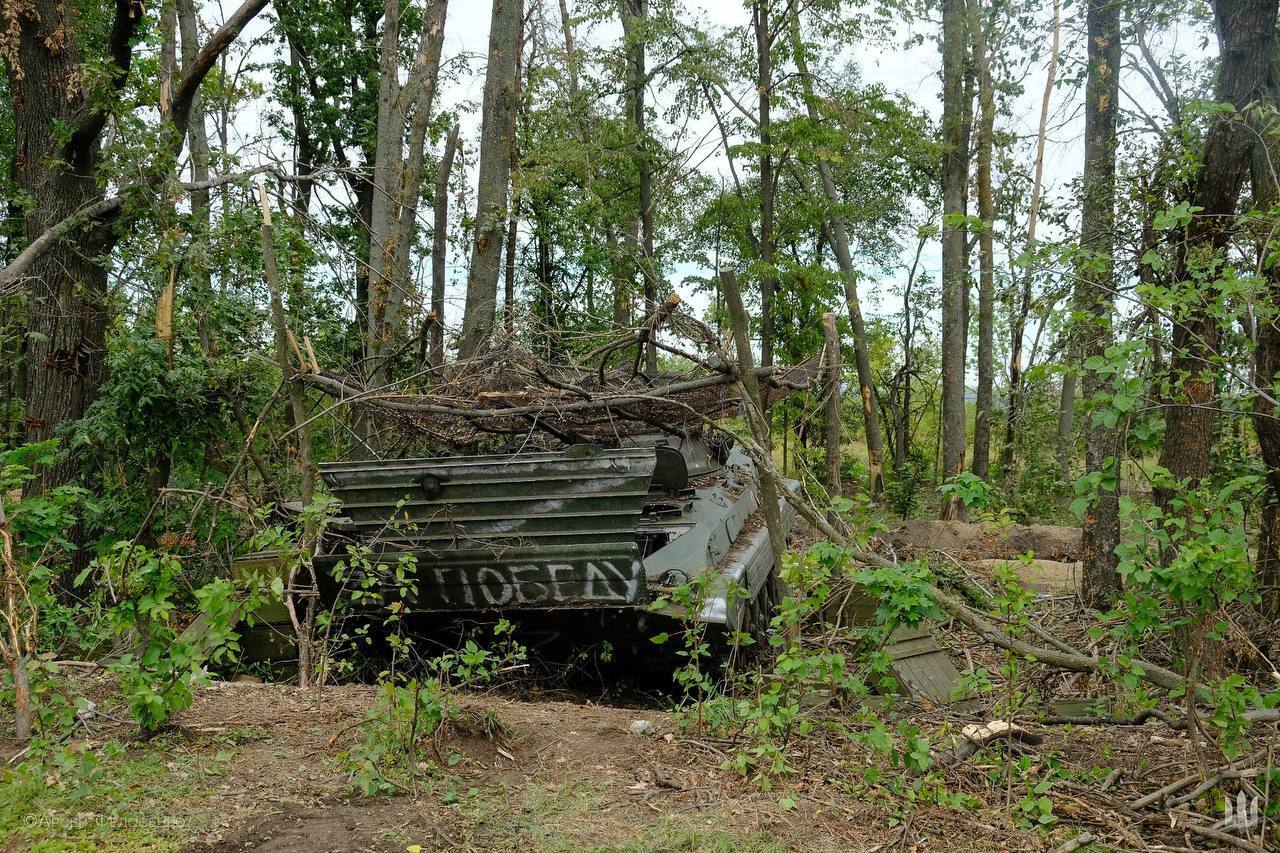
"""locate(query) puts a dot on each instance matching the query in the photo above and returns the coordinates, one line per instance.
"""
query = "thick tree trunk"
(67, 285)
(497, 132)
(1093, 296)
(1246, 37)
(1266, 369)
(57, 124)
(955, 277)
(986, 250)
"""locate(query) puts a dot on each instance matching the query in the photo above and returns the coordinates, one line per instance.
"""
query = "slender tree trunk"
(635, 17)
(1019, 326)
(757, 418)
(1093, 296)
(955, 277)
(298, 406)
(440, 245)
(621, 284)
(197, 134)
(832, 420)
(497, 131)
(984, 51)
(17, 635)
(764, 91)
(839, 236)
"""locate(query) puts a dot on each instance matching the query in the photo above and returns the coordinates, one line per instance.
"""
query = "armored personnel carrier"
(582, 527)
(586, 530)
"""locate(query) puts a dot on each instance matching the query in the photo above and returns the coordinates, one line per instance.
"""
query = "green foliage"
(403, 732)
(973, 491)
(903, 490)
(164, 661)
(40, 521)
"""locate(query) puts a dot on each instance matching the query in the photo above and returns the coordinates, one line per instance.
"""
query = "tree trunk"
(1019, 325)
(955, 278)
(757, 418)
(1246, 38)
(67, 285)
(197, 136)
(440, 245)
(832, 422)
(58, 122)
(986, 249)
(397, 176)
(1266, 371)
(839, 235)
(298, 407)
(497, 132)
(635, 15)
(764, 86)
(1093, 297)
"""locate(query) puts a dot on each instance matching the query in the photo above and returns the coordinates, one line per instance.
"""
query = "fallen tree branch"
(413, 404)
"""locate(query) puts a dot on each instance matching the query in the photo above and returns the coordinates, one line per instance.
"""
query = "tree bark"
(635, 16)
(1266, 367)
(497, 132)
(984, 51)
(955, 277)
(440, 245)
(764, 87)
(1094, 301)
(839, 234)
(1246, 38)
(832, 421)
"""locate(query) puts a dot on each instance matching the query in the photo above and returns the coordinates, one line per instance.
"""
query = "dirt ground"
(257, 767)
(977, 540)
(565, 776)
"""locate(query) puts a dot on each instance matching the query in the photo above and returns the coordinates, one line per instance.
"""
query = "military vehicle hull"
(587, 527)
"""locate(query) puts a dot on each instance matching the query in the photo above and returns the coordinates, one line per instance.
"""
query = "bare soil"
(978, 540)
(565, 775)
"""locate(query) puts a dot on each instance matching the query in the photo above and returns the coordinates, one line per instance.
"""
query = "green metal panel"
(584, 494)
(607, 574)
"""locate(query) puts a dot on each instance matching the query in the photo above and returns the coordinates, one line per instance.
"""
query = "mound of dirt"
(979, 541)
(1048, 576)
